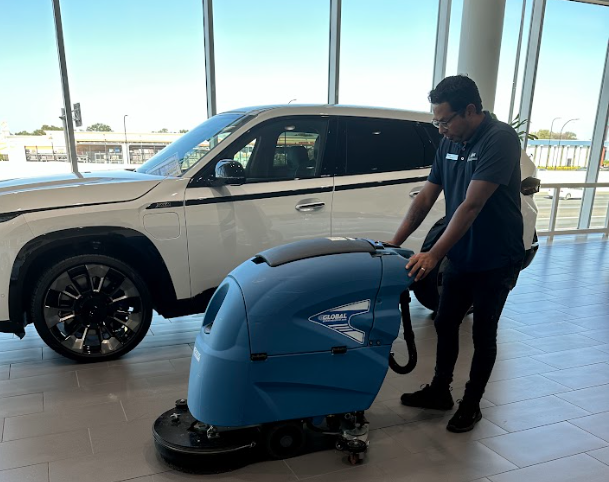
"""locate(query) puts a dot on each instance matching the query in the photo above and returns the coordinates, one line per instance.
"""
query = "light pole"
(560, 135)
(126, 156)
(106, 153)
(52, 145)
(550, 141)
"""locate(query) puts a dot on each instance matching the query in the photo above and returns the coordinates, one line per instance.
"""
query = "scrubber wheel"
(285, 439)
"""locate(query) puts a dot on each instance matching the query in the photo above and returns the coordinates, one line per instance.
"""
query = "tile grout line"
(290, 468)
(509, 432)
(569, 389)
(588, 432)
(499, 455)
(124, 412)
(90, 441)
(335, 471)
(534, 465)
(537, 398)
(594, 458)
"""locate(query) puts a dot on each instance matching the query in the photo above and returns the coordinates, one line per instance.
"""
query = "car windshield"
(183, 154)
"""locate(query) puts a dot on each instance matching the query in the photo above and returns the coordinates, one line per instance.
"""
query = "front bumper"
(530, 254)
(8, 326)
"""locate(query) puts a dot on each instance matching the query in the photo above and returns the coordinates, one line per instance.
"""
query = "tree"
(164, 130)
(545, 134)
(519, 126)
(183, 131)
(39, 132)
(99, 127)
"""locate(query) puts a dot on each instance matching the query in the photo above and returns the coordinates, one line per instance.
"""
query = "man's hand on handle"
(420, 265)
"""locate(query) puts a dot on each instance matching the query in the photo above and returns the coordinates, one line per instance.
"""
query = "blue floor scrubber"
(295, 344)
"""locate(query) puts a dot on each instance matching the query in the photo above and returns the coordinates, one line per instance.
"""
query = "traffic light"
(77, 115)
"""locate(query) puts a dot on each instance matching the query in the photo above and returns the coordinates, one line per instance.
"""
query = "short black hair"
(459, 91)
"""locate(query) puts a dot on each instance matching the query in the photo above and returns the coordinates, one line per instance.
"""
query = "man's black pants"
(487, 291)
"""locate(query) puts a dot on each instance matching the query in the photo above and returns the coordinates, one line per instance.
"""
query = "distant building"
(563, 154)
(96, 150)
(46, 154)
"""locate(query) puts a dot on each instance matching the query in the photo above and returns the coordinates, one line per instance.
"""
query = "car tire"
(427, 290)
(91, 308)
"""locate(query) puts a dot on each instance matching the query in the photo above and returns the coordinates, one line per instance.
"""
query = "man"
(478, 167)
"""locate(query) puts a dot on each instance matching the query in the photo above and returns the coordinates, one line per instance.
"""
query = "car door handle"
(308, 207)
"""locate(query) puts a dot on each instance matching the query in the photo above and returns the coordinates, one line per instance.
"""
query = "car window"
(383, 145)
(285, 149)
(243, 155)
(181, 155)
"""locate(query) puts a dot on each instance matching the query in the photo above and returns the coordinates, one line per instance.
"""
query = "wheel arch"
(128, 245)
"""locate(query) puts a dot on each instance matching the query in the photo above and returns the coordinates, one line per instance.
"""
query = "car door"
(384, 165)
(287, 196)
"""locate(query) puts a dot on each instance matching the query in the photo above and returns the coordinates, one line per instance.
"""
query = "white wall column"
(480, 45)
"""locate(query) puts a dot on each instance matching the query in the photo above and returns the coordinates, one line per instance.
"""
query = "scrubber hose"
(408, 337)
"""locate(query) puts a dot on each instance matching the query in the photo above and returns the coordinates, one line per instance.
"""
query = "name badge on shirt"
(452, 157)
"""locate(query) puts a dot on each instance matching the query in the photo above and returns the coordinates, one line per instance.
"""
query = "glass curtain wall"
(507, 58)
(137, 68)
(30, 91)
(569, 74)
(454, 34)
(387, 53)
(271, 52)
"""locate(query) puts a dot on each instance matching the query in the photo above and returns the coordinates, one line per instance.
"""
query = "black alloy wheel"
(91, 308)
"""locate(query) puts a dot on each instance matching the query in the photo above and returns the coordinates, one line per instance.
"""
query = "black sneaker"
(429, 397)
(465, 418)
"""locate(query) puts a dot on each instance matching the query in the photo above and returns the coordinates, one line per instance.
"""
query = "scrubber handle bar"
(408, 337)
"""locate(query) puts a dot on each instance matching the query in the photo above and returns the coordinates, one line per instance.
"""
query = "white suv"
(88, 257)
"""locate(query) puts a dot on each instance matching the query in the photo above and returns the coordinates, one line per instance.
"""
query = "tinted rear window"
(385, 145)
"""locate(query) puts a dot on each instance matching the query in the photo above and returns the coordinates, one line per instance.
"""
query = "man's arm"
(420, 207)
(478, 193)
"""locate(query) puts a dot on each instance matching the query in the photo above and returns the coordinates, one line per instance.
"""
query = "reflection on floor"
(546, 410)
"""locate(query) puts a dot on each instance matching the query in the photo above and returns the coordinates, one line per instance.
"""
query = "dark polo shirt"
(492, 154)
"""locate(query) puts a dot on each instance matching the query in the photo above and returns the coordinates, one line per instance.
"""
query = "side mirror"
(229, 172)
(530, 186)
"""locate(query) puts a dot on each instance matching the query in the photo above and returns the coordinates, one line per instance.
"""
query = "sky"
(144, 59)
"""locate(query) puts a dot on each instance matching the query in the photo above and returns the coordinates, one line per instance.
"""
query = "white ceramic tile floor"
(545, 415)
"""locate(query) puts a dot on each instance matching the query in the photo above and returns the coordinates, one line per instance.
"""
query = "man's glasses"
(444, 124)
